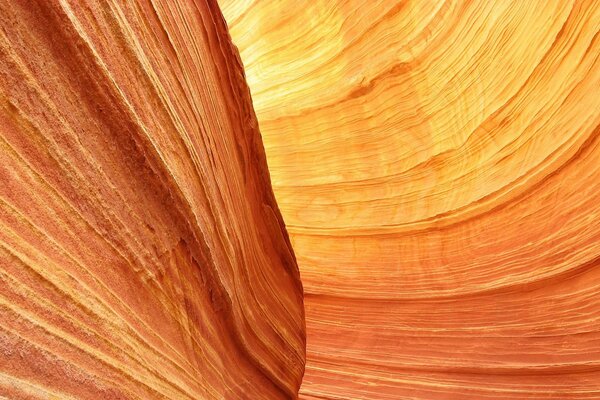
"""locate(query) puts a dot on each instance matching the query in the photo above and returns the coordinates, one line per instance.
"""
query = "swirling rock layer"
(142, 254)
(437, 164)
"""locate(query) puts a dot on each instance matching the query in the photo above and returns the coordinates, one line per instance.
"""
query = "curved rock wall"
(142, 254)
(437, 164)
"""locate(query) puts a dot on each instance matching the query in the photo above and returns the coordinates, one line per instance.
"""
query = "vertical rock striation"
(437, 164)
(142, 254)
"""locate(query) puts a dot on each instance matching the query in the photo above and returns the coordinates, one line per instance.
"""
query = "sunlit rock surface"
(437, 166)
(142, 254)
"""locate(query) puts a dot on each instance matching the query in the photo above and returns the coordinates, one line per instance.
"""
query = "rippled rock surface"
(142, 254)
(437, 166)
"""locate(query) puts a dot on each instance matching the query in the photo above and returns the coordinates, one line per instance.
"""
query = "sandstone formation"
(142, 254)
(437, 164)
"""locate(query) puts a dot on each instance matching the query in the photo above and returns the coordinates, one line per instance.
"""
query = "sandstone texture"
(437, 164)
(142, 254)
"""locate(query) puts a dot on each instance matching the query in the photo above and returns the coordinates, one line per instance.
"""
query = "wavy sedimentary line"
(436, 163)
(437, 166)
(142, 252)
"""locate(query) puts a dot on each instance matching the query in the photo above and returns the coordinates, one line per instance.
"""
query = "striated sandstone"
(436, 162)
(142, 254)
(437, 165)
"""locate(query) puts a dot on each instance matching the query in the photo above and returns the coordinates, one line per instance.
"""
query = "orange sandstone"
(142, 254)
(437, 165)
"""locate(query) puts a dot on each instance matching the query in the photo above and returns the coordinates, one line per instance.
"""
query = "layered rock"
(438, 167)
(142, 253)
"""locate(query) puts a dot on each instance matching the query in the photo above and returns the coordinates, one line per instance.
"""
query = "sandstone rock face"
(142, 254)
(437, 164)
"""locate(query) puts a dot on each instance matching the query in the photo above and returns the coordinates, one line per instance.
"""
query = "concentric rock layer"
(142, 254)
(437, 164)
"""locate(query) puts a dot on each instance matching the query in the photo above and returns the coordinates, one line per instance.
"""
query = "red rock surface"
(142, 254)
(437, 164)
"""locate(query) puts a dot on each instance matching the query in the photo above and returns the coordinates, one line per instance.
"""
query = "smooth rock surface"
(142, 254)
(437, 164)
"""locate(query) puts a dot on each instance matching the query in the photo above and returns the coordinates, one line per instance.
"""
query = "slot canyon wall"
(142, 254)
(436, 163)
(437, 167)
